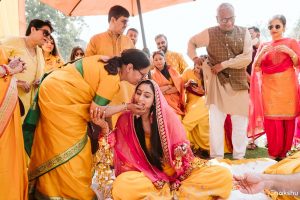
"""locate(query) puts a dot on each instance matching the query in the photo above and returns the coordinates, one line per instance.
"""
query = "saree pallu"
(289, 165)
(13, 172)
(61, 159)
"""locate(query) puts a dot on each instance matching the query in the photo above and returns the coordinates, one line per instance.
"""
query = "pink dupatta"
(129, 155)
(268, 66)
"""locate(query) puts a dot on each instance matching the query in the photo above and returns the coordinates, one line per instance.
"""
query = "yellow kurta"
(110, 44)
(289, 165)
(176, 61)
(52, 62)
(16, 47)
(13, 171)
(64, 100)
(196, 120)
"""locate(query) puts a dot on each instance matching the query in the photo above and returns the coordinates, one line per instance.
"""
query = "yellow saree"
(13, 172)
(61, 158)
(196, 118)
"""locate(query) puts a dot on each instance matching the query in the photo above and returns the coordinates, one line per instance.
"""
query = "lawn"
(259, 152)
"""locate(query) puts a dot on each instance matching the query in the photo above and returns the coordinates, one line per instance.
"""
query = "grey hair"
(225, 6)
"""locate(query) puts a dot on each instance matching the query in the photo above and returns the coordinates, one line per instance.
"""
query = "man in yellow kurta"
(28, 49)
(173, 59)
(112, 43)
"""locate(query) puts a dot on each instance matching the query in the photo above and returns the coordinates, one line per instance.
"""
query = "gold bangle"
(294, 56)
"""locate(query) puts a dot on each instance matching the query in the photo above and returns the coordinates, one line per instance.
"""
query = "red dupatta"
(129, 155)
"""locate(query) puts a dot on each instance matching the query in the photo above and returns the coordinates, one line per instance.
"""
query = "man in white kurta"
(229, 52)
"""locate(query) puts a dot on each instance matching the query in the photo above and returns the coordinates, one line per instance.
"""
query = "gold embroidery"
(58, 159)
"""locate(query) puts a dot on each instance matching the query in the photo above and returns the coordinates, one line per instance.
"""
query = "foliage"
(66, 29)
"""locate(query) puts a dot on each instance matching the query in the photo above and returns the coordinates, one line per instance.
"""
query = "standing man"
(255, 35)
(229, 51)
(173, 59)
(133, 34)
(112, 43)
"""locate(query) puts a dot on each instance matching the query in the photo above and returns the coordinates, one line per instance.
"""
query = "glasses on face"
(79, 54)
(277, 26)
(143, 75)
(226, 20)
(46, 33)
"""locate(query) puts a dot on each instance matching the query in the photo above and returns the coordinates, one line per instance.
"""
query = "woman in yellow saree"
(61, 158)
(153, 159)
(13, 172)
(196, 118)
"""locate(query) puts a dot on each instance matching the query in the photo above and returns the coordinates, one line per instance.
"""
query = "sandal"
(251, 146)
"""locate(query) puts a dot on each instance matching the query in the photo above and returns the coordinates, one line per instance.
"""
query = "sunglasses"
(46, 33)
(270, 27)
(79, 54)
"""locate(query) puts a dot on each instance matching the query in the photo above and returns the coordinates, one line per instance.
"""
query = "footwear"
(251, 146)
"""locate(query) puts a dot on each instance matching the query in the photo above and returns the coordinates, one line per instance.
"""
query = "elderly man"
(229, 51)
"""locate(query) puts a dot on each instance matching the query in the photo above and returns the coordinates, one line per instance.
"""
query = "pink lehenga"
(137, 178)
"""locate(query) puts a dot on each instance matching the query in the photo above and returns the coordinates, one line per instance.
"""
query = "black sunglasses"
(79, 54)
(270, 27)
(46, 33)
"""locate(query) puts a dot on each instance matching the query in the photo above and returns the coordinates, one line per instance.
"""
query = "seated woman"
(196, 118)
(153, 159)
(169, 81)
(51, 55)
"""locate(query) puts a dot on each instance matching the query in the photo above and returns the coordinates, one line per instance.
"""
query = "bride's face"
(144, 95)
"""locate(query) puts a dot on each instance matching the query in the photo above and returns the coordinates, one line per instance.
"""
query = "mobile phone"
(193, 83)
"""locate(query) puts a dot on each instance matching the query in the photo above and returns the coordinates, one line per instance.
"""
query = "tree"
(66, 29)
(296, 30)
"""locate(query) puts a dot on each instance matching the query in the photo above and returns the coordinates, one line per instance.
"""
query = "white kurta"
(224, 97)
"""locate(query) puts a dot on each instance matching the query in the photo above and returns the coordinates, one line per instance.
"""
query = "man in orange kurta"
(111, 43)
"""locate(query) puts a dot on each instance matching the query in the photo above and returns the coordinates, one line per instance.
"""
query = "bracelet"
(126, 106)
(6, 71)
(294, 56)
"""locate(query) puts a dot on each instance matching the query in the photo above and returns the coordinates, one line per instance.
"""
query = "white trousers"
(216, 137)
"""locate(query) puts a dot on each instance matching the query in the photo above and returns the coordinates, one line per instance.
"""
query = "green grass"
(259, 152)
